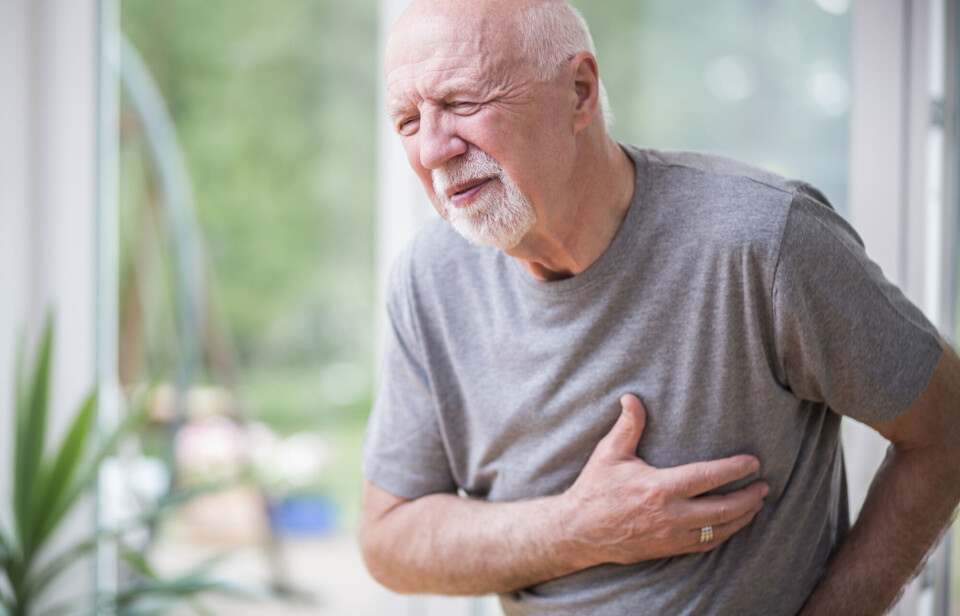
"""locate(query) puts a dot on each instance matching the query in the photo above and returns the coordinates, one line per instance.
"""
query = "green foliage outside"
(274, 104)
(761, 80)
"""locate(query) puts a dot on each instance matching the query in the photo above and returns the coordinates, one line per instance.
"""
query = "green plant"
(47, 487)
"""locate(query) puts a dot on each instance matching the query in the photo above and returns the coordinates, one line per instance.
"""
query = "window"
(766, 82)
(247, 163)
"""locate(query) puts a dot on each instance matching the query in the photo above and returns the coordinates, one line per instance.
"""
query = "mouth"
(464, 193)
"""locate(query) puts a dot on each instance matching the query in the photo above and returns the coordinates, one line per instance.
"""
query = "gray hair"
(551, 33)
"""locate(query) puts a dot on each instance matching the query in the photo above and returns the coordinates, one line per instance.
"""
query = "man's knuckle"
(716, 476)
(653, 492)
(662, 495)
(725, 512)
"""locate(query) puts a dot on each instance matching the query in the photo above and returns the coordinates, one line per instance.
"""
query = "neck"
(572, 235)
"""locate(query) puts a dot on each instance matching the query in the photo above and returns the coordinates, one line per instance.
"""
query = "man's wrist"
(569, 544)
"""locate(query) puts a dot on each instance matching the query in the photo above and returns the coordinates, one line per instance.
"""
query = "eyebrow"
(461, 87)
(445, 92)
(398, 109)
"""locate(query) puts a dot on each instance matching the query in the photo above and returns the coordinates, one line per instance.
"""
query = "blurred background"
(208, 194)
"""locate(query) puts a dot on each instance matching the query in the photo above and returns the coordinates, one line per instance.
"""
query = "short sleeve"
(845, 335)
(404, 451)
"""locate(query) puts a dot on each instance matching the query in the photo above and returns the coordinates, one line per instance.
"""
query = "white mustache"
(471, 165)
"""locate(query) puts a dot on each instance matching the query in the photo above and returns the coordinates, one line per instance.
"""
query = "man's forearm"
(912, 498)
(444, 544)
(910, 502)
(619, 510)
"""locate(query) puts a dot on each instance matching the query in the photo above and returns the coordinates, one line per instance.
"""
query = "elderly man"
(509, 451)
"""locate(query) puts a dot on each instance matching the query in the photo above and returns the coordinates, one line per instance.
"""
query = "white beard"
(499, 217)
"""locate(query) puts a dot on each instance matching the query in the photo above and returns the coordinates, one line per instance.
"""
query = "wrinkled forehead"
(442, 70)
(473, 40)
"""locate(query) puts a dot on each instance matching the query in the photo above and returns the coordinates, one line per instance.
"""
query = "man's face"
(478, 130)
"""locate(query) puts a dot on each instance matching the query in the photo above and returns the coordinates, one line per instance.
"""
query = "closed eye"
(408, 126)
(465, 107)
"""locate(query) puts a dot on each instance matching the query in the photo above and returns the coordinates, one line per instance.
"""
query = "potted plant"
(47, 483)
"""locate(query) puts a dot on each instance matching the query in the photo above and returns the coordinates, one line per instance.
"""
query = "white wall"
(48, 59)
(877, 184)
(14, 193)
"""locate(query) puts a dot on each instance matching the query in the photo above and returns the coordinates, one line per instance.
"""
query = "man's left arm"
(911, 500)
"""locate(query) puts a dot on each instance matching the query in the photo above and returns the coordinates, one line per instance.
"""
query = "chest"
(526, 388)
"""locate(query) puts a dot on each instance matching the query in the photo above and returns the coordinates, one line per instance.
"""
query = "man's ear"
(586, 84)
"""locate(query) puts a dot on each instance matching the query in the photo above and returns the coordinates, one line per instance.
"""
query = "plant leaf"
(61, 609)
(159, 607)
(86, 475)
(184, 586)
(57, 479)
(31, 431)
(139, 564)
(6, 550)
(207, 565)
(10, 563)
(200, 608)
(41, 579)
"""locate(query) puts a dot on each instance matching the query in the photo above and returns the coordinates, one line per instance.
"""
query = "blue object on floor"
(303, 515)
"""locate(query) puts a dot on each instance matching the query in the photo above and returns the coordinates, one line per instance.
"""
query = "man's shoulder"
(717, 200)
(716, 170)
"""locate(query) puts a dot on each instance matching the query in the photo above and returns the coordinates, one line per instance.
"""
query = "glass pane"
(951, 70)
(247, 281)
(766, 81)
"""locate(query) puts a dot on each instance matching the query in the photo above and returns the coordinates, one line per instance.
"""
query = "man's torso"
(517, 380)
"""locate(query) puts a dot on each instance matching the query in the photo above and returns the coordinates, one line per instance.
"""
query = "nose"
(439, 141)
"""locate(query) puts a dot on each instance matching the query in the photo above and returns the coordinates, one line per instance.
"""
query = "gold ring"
(706, 534)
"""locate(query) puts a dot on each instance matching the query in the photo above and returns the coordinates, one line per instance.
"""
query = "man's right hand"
(622, 510)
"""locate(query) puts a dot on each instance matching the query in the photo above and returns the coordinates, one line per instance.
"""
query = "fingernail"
(764, 491)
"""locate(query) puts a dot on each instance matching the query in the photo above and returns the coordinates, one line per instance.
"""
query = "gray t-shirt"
(738, 306)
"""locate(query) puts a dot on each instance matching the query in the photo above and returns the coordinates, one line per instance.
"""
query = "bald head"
(540, 36)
